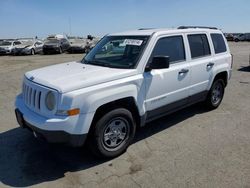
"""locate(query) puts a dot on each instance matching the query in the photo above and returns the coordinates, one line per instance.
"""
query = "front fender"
(94, 101)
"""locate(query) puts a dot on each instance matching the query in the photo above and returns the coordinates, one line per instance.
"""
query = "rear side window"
(170, 46)
(198, 45)
(219, 43)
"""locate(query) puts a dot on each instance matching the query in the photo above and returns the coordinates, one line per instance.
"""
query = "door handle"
(183, 71)
(209, 65)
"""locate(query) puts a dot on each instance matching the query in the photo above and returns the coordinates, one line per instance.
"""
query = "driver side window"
(172, 46)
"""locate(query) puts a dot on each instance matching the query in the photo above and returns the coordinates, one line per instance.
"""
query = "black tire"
(110, 125)
(32, 52)
(60, 50)
(236, 40)
(215, 94)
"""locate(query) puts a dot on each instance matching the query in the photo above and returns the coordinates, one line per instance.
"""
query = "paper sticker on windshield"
(133, 42)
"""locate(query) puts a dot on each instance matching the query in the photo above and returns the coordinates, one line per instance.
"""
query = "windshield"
(117, 51)
(5, 43)
(27, 42)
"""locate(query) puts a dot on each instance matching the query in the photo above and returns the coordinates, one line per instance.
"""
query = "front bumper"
(76, 49)
(70, 130)
(5, 52)
(51, 49)
(22, 51)
(51, 136)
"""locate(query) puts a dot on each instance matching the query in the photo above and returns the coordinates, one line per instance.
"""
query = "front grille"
(32, 97)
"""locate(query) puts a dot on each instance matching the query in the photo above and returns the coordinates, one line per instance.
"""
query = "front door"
(168, 88)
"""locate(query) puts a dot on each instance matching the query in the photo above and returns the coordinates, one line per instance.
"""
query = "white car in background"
(77, 44)
(28, 47)
(8, 46)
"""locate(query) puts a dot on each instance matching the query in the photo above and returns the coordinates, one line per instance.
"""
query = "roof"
(148, 32)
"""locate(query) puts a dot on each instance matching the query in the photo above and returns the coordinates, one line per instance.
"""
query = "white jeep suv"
(125, 81)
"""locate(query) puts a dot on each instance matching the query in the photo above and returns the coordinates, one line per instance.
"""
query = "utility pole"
(70, 26)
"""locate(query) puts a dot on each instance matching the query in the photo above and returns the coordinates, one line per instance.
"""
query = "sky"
(29, 18)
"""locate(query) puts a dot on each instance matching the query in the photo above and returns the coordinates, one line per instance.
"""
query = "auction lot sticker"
(133, 42)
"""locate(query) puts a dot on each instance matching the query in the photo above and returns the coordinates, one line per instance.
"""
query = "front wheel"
(215, 94)
(113, 133)
(60, 50)
(32, 52)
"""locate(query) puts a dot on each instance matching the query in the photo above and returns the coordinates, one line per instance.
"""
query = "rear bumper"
(51, 136)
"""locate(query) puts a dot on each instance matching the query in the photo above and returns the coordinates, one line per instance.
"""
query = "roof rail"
(196, 27)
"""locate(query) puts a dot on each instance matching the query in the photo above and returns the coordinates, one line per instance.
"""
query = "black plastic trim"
(173, 107)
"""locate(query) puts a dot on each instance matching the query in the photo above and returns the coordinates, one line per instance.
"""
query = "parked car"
(77, 45)
(8, 46)
(103, 98)
(91, 42)
(242, 37)
(29, 47)
(55, 45)
(229, 37)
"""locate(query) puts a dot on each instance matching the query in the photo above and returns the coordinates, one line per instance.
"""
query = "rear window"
(219, 43)
(199, 45)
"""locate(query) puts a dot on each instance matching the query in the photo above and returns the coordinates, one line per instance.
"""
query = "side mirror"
(158, 62)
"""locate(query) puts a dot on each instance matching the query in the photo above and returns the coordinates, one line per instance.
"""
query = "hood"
(75, 75)
(5, 46)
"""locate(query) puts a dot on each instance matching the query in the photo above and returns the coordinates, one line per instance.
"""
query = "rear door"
(200, 64)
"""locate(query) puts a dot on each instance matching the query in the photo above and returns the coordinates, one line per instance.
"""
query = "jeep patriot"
(126, 80)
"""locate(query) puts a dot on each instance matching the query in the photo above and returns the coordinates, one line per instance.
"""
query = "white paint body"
(87, 87)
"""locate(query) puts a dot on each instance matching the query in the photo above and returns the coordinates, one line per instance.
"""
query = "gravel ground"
(190, 148)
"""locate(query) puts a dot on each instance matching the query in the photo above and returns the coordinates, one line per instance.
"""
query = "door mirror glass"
(158, 62)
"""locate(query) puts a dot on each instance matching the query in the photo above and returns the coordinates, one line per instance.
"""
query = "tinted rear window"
(219, 43)
(199, 45)
(170, 46)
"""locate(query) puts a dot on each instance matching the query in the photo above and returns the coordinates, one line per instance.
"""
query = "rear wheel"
(113, 133)
(215, 94)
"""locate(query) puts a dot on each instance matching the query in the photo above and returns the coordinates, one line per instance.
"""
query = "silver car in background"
(29, 47)
(7, 47)
(77, 44)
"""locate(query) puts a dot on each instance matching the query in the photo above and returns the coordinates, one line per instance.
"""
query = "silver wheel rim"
(115, 133)
(217, 94)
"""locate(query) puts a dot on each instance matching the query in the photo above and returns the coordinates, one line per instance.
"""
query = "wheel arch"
(128, 103)
(222, 75)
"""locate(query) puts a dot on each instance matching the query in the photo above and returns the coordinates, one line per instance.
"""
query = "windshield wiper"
(97, 62)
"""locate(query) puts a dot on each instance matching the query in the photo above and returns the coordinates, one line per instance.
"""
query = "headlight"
(50, 101)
